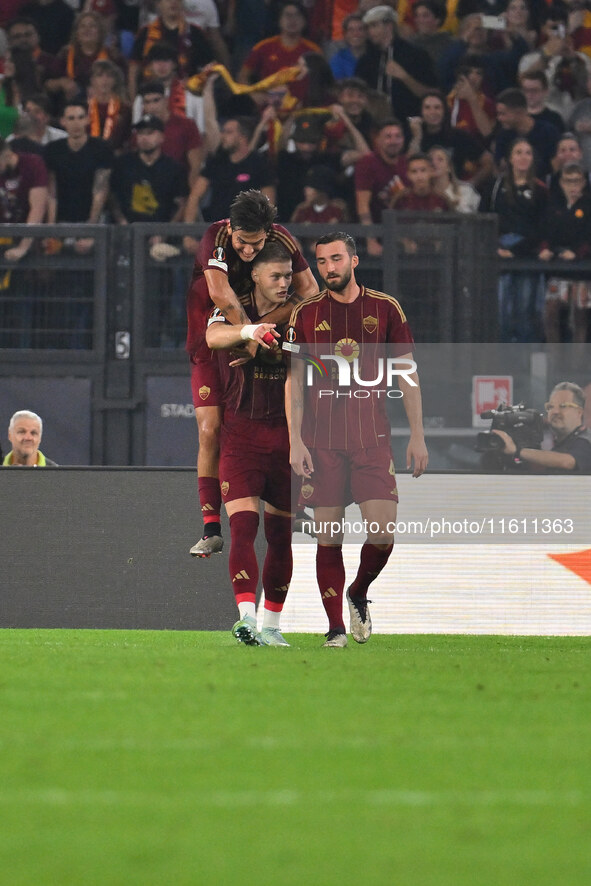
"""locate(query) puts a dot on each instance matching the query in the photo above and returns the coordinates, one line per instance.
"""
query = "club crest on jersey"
(347, 348)
(225, 487)
(204, 392)
(307, 490)
(290, 335)
(219, 253)
(370, 324)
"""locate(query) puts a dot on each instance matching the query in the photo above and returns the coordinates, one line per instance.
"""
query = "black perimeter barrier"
(95, 343)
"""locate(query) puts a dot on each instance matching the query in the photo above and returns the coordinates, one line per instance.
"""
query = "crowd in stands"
(163, 110)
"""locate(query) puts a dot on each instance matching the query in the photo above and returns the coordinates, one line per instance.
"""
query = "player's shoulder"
(390, 300)
(303, 307)
(279, 234)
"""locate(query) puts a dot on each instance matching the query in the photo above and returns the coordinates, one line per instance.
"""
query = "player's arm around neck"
(224, 297)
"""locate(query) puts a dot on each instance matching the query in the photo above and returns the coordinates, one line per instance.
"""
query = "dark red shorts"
(341, 477)
(206, 384)
(257, 465)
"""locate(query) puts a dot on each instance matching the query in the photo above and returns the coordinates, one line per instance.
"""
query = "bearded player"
(221, 278)
(340, 445)
(254, 449)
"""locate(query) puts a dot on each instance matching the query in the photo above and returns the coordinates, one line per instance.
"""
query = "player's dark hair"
(271, 251)
(340, 236)
(252, 211)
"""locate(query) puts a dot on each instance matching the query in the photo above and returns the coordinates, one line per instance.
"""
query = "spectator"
(163, 64)
(344, 61)
(472, 162)
(320, 204)
(580, 124)
(393, 66)
(73, 64)
(23, 35)
(80, 168)
(204, 14)
(37, 107)
(9, 99)
(281, 51)
(109, 112)
(519, 200)
(378, 176)
(568, 150)
(534, 85)
(306, 149)
(191, 44)
(23, 194)
(567, 71)
(232, 169)
(182, 139)
(428, 19)
(53, 19)
(500, 65)
(146, 185)
(320, 82)
(461, 195)
(519, 22)
(515, 122)
(420, 196)
(24, 432)
(470, 108)
(20, 139)
(566, 232)
(353, 97)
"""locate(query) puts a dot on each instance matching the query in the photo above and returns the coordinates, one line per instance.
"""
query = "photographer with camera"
(571, 450)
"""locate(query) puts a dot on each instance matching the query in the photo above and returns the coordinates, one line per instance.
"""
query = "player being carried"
(340, 445)
(254, 448)
(221, 278)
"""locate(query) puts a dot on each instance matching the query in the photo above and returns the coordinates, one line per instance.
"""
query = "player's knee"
(278, 530)
(209, 434)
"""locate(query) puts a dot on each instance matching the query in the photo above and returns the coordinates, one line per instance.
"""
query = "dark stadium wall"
(107, 548)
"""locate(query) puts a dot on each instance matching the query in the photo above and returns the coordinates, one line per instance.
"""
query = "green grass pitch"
(139, 757)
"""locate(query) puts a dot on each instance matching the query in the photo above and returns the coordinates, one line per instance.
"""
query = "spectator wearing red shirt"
(420, 196)
(378, 176)
(470, 109)
(281, 51)
(23, 194)
(182, 139)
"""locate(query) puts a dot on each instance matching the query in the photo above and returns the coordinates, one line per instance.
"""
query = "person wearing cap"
(146, 185)
(306, 148)
(394, 66)
(182, 139)
(24, 432)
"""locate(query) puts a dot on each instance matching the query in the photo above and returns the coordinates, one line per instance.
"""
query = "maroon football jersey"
(368, 330)
(215, 251)
(253, 392)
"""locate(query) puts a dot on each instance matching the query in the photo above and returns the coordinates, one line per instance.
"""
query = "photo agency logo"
(347, 373)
